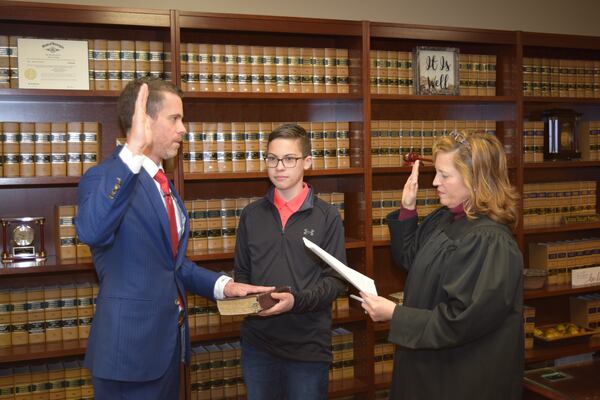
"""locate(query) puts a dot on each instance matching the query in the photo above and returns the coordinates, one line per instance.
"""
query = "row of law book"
(548, 204)
(67, 379)
(241, 146)
(585, 310)
(561, 77)
(590, 146)
(384, 357)
(45, 314)
(112, 63)
(239, 68)
(68, 246)
(534, 138)
(391, 140)
(533, 141)
(392, 72)
(65, 312)
(386, 201)
(213, 225)
(38, 149)
(214, 222)
(559, 258)
(528, 325)
(216, 371)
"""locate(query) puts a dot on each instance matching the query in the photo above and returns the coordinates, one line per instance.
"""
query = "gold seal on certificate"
(53, 64)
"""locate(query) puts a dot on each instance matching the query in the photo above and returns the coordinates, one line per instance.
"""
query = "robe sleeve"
(480, 289)
(406, 236)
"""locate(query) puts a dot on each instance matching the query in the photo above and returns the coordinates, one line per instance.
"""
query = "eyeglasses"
(460, 138)
(287, 161)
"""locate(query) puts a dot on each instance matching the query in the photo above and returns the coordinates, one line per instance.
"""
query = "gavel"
(412, 157)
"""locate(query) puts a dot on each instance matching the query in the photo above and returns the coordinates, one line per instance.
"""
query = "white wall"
(579, 17)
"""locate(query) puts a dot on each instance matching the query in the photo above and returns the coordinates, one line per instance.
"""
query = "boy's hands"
(285, 304)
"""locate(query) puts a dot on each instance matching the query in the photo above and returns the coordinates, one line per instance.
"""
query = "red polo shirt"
(286, 209)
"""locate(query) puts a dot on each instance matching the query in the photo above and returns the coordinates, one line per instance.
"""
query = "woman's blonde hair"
(479, 158)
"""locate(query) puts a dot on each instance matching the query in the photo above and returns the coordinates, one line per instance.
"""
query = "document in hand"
(358, 280)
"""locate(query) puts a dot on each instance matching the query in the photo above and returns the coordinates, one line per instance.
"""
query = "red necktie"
(161, 178)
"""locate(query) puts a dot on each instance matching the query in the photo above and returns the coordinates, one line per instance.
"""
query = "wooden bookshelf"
(508, 107)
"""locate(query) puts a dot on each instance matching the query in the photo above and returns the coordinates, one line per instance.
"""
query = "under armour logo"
(310, 232)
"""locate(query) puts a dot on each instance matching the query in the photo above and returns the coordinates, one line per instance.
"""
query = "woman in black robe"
(459, 334)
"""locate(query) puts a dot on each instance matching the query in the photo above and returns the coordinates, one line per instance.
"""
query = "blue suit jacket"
(122, 218)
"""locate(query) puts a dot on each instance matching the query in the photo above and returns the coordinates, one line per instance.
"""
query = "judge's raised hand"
(140, 135)
(237, 289)
(379, 308)
(409, 194)
(285, 302)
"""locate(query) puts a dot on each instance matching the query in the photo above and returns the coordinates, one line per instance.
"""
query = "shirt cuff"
(405, 214)
(133, 162)
(220, 287)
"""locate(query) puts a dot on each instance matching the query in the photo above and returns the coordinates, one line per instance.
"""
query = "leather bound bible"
(251, 304)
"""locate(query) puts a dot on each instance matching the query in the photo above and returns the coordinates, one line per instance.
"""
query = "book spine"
(26, 149)
(4, 62)
(113, 62)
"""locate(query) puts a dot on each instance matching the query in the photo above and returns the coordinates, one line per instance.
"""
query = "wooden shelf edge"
(231, 331)
(552, 351)
(257, 23)
(273, 96)
(383, 381)
(209, 176)
(41, 181)
(12, 270)
(447, 99)
(51, 94)
(561, 164)
(346, 387)
(41, 351)
(562, 228)
(400, 170)
(557, 290)
(222, 254)
(381, 243)
(543, 99)
(215, 332)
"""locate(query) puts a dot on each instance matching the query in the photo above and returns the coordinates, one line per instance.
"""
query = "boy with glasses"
(286, 350)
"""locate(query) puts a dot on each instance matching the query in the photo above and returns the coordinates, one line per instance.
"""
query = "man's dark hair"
(156, 87)
(292, 131)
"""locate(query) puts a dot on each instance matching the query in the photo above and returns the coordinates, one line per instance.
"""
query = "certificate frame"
(53, 64)
(436, 70)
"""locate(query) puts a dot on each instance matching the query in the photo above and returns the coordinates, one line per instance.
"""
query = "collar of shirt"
(458, 212)
(286, 209)
(150, 167)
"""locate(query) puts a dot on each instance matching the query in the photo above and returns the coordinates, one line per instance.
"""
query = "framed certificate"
(436, 71)
(53, 64)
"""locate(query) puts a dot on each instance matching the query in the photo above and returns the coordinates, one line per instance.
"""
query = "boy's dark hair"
(156, 87)
(292, 131)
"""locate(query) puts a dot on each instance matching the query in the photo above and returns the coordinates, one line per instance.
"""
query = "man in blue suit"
(137, 229)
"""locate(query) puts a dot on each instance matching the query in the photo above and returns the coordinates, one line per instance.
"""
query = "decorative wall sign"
(436, 71)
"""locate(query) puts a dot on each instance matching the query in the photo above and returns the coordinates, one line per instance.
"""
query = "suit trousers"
(163, 388)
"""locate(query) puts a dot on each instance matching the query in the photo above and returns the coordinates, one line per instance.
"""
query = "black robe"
(459, 334)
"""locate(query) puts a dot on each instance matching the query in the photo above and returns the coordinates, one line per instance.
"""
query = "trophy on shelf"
(561, 134)
(23, 239)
